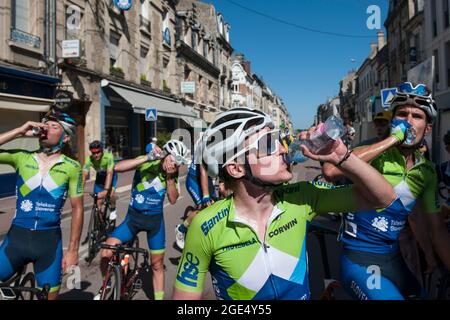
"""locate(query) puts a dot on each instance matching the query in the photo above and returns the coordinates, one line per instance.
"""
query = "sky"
(302, 67)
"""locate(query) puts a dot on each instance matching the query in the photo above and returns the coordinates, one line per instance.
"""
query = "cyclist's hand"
(207, 201)
(169, 165)
(102, 194)
(398, 129)
(333, 153)
(25, 130)
(70, 259)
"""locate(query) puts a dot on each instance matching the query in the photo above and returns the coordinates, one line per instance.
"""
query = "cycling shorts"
(373, 276)
(136, 222)
(42, 248)
(195, 190)
(101, 187)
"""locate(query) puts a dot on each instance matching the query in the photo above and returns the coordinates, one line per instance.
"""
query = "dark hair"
(96, 144)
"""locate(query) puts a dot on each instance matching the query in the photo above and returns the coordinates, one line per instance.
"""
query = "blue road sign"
(386, 96)
(151, 115)
(123, 4)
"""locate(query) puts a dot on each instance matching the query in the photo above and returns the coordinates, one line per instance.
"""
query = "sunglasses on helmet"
(408, 88)
(267, 144)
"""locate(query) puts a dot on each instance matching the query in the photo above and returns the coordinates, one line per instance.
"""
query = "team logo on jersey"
(26, 205)
(380, 223)
(139, 198)
(188, 270)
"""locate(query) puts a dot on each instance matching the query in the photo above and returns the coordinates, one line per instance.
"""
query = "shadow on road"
(78, 294)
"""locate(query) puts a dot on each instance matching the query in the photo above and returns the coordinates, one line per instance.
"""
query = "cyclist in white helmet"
(253, 241)
(152, 180)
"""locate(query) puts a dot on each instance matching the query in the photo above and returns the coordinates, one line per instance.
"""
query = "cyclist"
(44, 178)
(106, 179)
(201, 189)
(253, 242)
(152, 180)
(382, 124)
(444, 177)
(371, 264)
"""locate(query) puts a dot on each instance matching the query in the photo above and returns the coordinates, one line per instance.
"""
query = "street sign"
(151, 115)
(63, 99)
(123, 4)
(70, 48)
(188, 87)
(386, 96)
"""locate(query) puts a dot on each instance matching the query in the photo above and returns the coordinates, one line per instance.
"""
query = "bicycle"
(124, 276)
(23, 288)
(330, 284)
(99, 226)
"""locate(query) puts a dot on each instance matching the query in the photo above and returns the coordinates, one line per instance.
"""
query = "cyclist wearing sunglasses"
(106, 179)
(44, 179)
(152, 180)
(253, 241)
(371, 238)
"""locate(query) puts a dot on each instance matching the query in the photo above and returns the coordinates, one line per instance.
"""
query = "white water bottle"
(326, 134)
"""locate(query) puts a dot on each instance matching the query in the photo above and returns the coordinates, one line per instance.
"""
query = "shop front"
(125, 130)
(24, 96)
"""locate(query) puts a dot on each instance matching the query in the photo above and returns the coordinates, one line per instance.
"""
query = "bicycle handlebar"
(123, 249)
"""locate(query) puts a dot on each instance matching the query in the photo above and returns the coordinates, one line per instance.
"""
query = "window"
(436, 64)
(205, 49)
(194, 40)
(21, 17)
(447, 61)
(112, 62)
(445, 13)
(433, 17)
(114, 38)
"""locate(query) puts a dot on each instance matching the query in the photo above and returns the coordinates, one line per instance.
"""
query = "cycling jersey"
(377, 231)
(149, 188)
(243, 266)
(40, 199)
(101, 167)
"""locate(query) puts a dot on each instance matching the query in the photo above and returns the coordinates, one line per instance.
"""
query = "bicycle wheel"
(93, 236)
(28, 281)
(112, 284)
(133, 261)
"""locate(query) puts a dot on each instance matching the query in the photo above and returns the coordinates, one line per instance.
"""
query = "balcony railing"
(26, 38)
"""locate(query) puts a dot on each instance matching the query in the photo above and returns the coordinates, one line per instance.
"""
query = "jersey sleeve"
(11, 157)
(322, 197)
(430, 199)
(195, 260)
(76, 182)
(87, 164)
(110, 162)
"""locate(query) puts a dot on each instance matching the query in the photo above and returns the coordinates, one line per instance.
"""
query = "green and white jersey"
(246, 267)
(377, 231)
(40, 199)
(101, 166)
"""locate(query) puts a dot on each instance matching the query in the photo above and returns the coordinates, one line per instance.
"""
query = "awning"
(194, 122)
(24, 103)
(141, 100)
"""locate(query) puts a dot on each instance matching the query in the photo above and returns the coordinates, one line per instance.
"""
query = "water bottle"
(410, 136)
(295, 154)
(326, 134)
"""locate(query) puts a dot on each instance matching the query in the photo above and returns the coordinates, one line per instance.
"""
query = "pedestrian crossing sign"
(151, 115)
(386, 96)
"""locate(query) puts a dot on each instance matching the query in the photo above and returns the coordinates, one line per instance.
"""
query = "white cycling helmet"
(419, 96)
(178, 150)
(227, 133)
